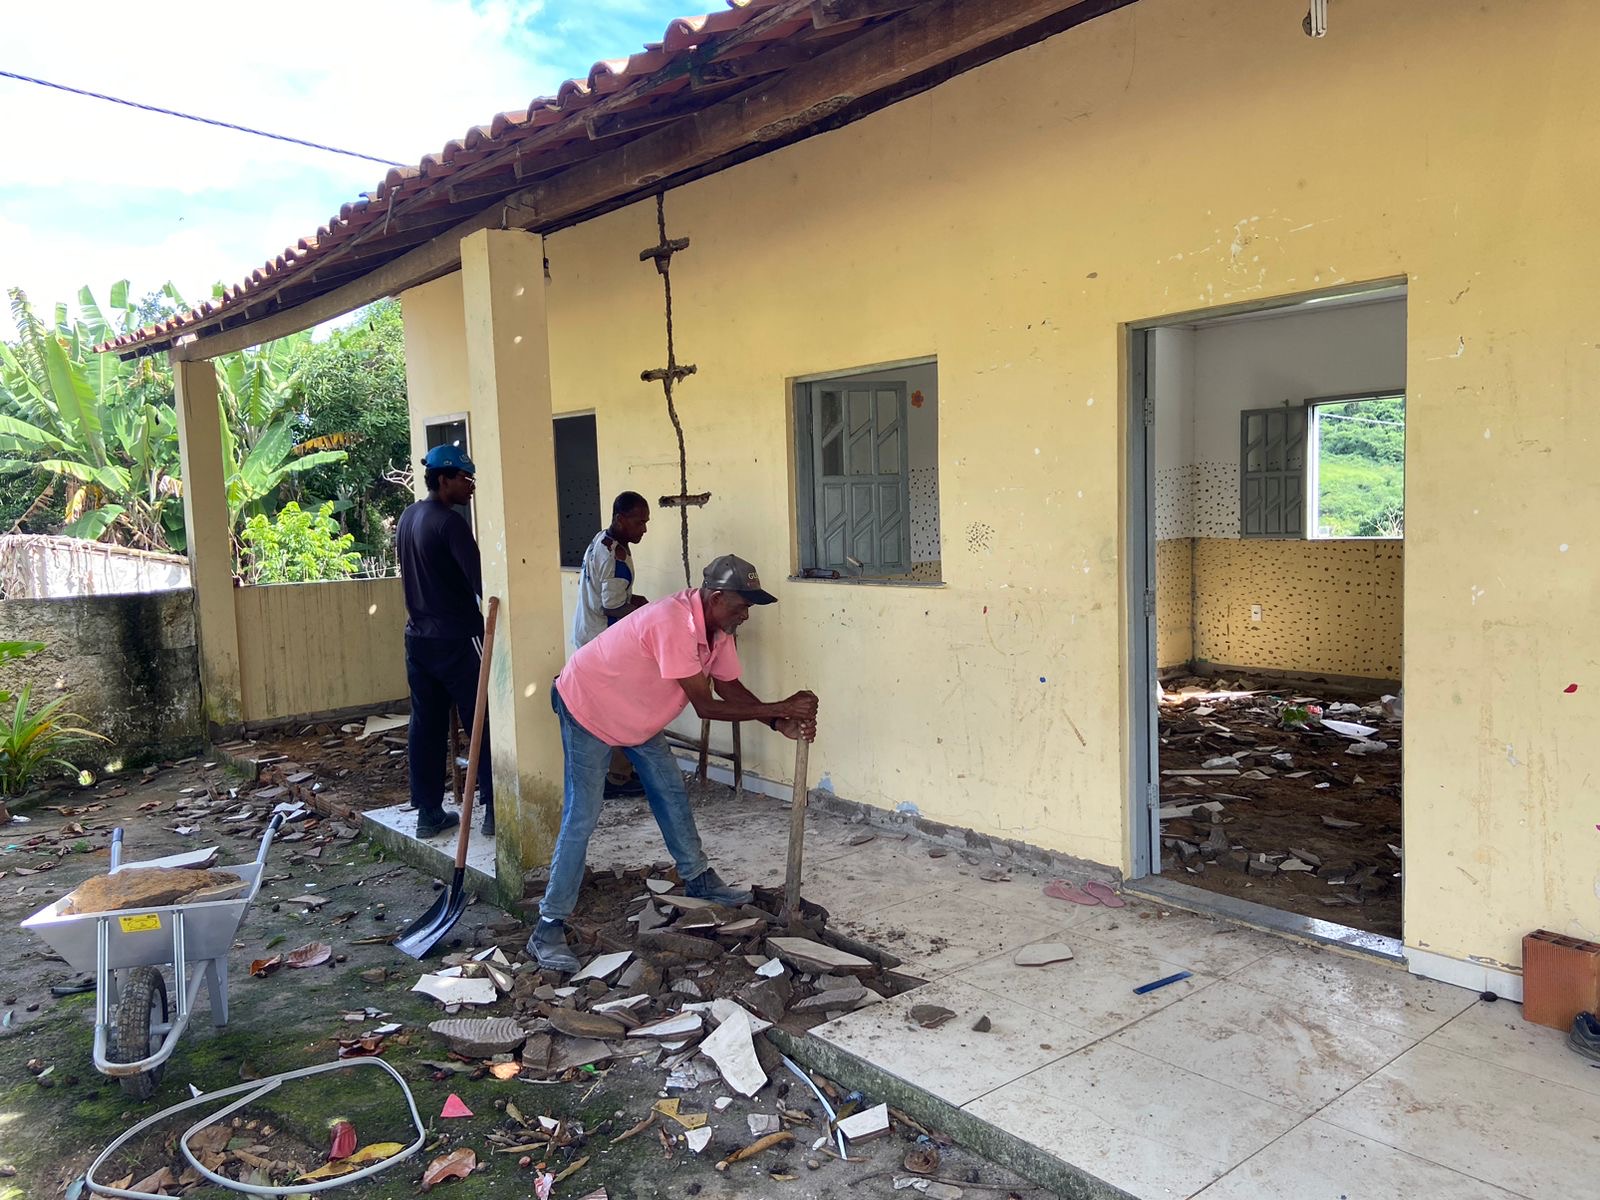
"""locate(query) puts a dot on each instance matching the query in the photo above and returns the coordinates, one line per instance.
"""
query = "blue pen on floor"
(1160, 983)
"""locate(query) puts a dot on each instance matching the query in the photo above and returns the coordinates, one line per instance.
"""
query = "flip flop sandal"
(1105, 894)
(1060, 889)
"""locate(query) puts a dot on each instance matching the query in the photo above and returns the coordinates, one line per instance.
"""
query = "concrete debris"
(930, 1016)
(480, 1038)
(831, 1000)
(762, 1124)
(868, 1123)
(587, 1024)
(982, 1024)
(770, 969)
(450, 989)
(603, 966)
(1041, 954)
(659, 886)
(698, 1139)
(731, 1047)
(807, 955)
(676, 1026)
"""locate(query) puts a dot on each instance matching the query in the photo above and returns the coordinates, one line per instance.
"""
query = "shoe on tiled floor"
(548, 946)
(1585, 1035)
(431, 828)
(709, 886)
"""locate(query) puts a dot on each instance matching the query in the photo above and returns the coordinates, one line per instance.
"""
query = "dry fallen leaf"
(344, 1141)
(506, 1070)
(262, 967)
(458, 1164)
(312, 954)
(157, 1182)
(363, 1157)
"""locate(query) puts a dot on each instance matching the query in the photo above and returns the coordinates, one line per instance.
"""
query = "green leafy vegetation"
(89, 442)
(297, 547)
(32, 741)
(1360, 464)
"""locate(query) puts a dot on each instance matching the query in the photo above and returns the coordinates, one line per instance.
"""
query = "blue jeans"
(587, 758)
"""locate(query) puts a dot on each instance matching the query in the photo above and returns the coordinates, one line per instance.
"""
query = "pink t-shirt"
(623, 686)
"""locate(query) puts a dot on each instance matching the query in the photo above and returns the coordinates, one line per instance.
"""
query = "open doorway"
(1270, 550)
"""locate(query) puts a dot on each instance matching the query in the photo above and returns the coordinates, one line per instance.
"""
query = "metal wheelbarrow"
(135, 1029)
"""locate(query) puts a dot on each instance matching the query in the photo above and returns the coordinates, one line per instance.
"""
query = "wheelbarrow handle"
(116, 847)
(266, 838)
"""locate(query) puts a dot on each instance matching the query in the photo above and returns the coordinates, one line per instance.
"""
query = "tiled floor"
(1277, 1070)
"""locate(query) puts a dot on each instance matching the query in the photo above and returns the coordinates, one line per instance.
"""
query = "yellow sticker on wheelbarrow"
(142, 923)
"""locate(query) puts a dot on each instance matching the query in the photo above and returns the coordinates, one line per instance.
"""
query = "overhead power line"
(169, 112)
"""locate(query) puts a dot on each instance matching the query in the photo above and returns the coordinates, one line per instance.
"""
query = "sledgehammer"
(797, 833)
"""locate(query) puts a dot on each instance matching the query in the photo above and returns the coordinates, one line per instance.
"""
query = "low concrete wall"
(130, 663)
(320, 647)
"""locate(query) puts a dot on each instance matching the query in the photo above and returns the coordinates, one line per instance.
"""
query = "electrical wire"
(169, 112)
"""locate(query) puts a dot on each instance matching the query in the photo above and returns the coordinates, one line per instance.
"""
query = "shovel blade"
(424, 934)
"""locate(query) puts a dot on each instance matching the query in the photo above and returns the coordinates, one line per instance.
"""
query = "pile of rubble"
(1282, 787)
(680, 986)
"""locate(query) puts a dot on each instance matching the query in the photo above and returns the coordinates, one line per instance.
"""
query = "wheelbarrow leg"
(217, 990)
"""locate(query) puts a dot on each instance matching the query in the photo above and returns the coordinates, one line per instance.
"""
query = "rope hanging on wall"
(669, 376)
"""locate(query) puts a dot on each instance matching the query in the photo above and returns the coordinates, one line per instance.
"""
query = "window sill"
(868, 581)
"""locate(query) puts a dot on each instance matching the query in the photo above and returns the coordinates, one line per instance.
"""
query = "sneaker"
(487, 828)
(629, 787)
(1585, 1036)
(708, 886)
(547, 945)
(431, 827)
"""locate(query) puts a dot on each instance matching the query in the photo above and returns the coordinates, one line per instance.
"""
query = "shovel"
(797, 833)
(426, 931)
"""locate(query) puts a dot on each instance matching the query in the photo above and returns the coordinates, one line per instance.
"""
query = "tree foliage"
(1361, 461)
(89, 443)
(297, 547)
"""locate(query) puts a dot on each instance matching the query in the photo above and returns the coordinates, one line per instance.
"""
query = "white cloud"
(90, 191)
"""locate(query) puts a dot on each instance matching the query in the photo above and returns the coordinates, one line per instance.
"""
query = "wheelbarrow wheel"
(142, 1005)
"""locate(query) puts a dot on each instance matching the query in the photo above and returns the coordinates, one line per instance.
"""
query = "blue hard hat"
(449, 456)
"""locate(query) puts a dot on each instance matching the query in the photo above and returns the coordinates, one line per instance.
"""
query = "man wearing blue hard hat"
(443, 580)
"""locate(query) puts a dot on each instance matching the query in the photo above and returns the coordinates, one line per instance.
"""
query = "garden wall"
(130, 663)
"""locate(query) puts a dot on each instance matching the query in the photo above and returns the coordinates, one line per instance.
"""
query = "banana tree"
(102, 427)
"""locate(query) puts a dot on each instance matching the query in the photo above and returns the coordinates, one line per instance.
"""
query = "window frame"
(1311, 505)
(429, 424)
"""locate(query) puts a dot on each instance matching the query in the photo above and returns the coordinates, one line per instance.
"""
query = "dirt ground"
(294, 1018)
(1332, 798)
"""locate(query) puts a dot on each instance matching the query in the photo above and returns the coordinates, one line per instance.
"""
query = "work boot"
(431, 826)
(1585, 1036)
(548, 947)
(487, 828)
(708, 886)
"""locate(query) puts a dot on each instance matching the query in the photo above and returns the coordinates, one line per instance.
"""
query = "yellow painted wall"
(1159, 160)
(314, 647)
(1174, 601)
(1326, 607)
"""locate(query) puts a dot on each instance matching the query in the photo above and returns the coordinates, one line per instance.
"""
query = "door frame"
(1143, 765)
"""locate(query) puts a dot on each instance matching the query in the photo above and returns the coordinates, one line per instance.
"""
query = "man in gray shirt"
(606, 595)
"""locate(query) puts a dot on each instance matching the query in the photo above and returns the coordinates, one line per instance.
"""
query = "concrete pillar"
(508, 377)
(205, 514)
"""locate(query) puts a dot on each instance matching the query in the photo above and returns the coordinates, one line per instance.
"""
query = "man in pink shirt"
(622, 690)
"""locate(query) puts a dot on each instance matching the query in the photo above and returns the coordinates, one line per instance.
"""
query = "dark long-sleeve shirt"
(441, 571)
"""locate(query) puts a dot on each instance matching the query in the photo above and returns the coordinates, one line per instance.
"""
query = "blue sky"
(92, 192)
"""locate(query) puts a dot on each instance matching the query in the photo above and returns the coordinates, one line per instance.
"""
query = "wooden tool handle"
(797, 832)
(455, 755)
(480, 714)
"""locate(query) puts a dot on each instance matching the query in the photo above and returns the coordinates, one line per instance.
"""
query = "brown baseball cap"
(730, 573)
